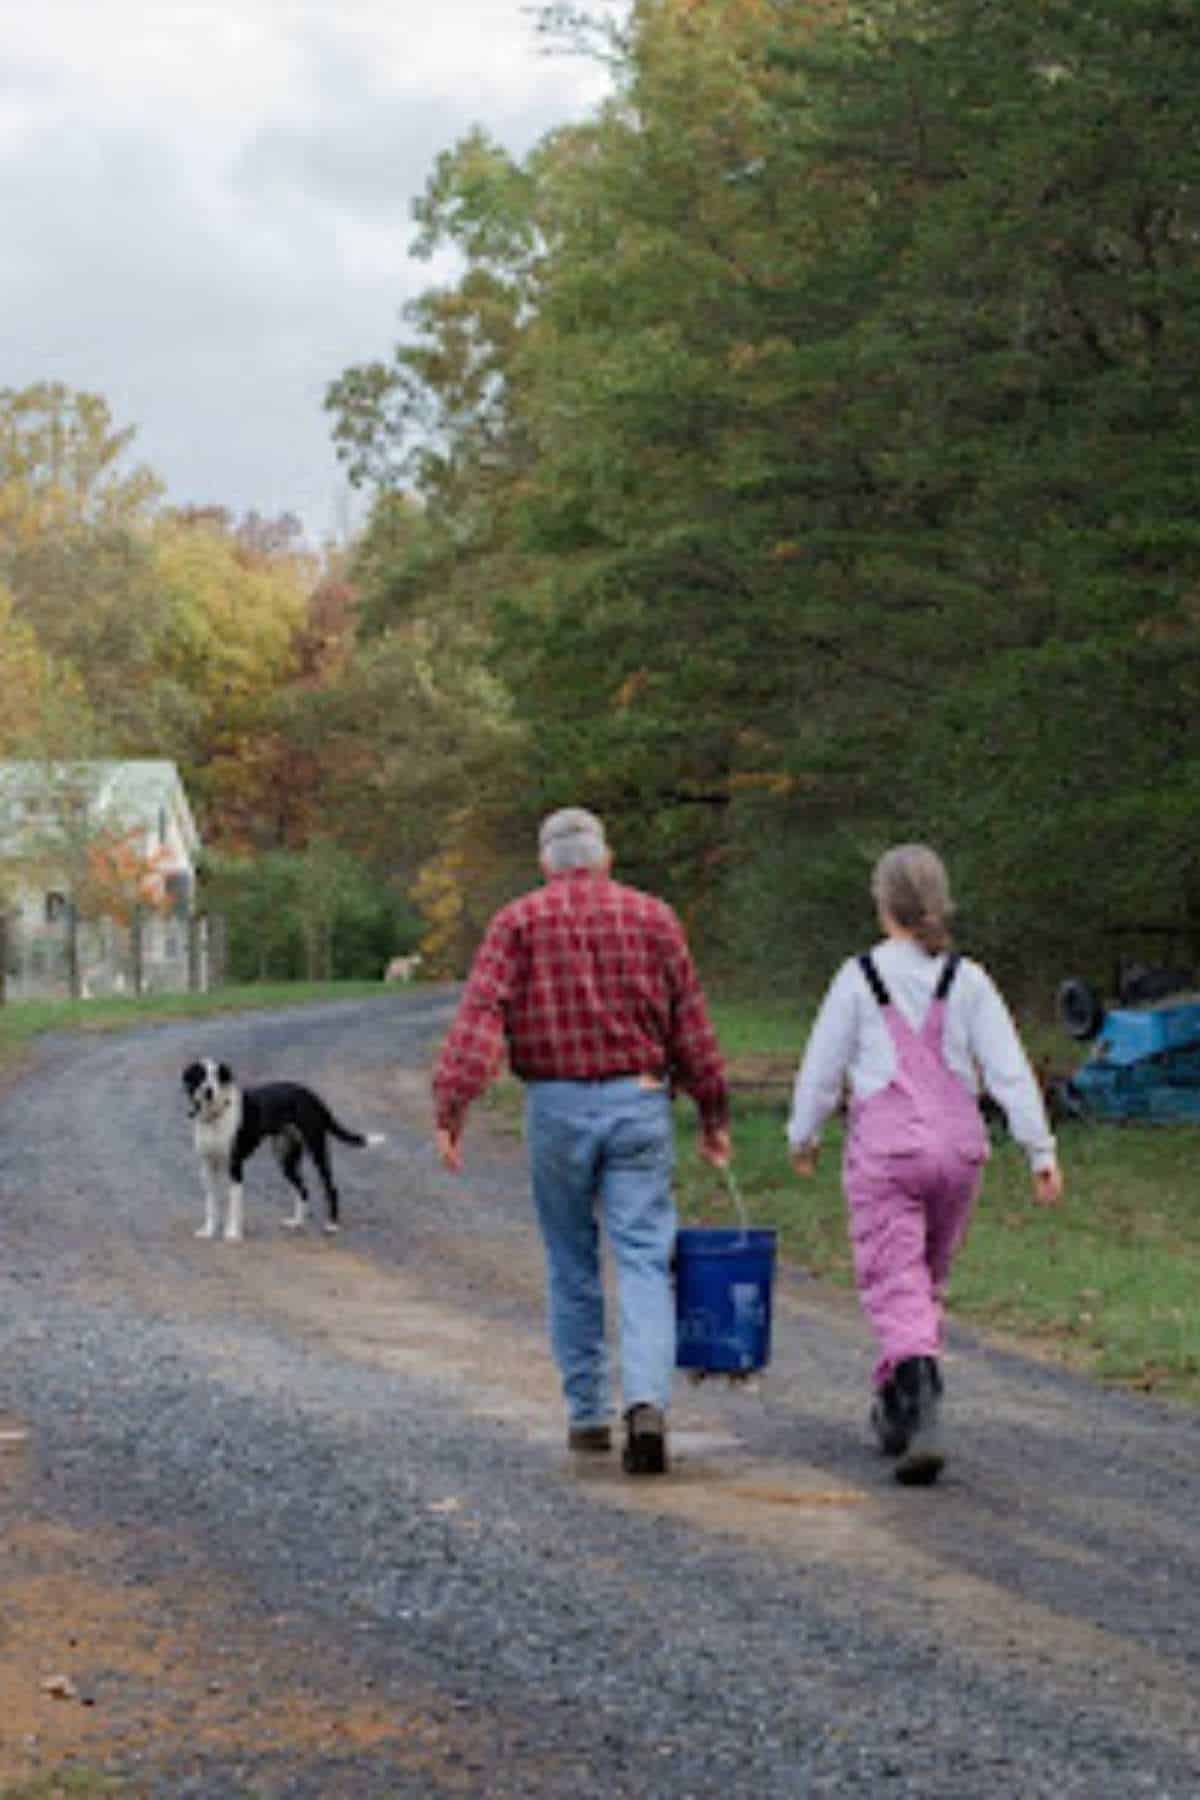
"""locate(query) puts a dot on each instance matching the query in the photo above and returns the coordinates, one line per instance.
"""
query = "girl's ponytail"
(911, 885)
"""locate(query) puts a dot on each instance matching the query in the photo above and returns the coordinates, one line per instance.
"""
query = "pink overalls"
(914, 1157)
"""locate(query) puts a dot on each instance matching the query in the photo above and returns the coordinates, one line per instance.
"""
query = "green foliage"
(801, 458)
(315, 915)
(809, 443)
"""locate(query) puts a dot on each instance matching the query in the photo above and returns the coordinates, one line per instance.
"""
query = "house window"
(178, 887)
(56, 907)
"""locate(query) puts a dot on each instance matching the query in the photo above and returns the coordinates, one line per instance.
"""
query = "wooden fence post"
(193, 952)
(135, 949)
(73, 982)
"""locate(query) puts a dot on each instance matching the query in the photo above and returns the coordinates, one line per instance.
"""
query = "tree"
(235, 622)
(73, 519)
(43, 709)
(319, 914)
(1030, 362)
(800, 431)
(62, 465)
(120, 877)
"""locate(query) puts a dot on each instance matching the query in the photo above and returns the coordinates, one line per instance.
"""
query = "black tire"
(1080, 1009)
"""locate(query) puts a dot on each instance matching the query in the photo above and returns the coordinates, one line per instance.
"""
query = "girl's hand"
(1047, 1186)
(804, 1160)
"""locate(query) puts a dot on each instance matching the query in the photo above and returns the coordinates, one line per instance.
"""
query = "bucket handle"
(735, 1194)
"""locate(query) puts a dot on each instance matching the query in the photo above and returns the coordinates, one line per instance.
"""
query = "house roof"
(130, 791)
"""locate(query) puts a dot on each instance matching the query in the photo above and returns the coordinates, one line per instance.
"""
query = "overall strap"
(874, 979)
(947, 976)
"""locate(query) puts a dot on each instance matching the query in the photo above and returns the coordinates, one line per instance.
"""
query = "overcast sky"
(206, 209)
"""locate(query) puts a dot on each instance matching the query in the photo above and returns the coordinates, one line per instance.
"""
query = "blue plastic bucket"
(723, 1299)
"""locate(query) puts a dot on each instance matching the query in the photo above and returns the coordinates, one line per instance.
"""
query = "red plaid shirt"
(584, 978)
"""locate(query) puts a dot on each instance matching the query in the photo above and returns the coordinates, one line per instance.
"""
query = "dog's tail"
(369, 1140)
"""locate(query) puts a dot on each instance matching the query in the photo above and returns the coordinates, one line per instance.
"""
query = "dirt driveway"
(294, 1517)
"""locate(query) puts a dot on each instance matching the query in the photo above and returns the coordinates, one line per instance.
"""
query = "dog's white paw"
(207, 1231)
(375, 1138)
(293, 1222)
(331, 1228)
(232, 1237)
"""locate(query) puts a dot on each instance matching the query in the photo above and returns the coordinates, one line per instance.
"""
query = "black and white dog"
(231, 1122)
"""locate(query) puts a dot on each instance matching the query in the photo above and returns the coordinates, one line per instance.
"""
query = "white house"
(51, 815)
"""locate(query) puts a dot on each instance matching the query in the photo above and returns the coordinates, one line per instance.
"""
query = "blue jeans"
(601, 1153)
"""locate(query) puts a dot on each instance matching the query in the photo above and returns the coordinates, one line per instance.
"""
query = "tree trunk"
(135, 949)
(73, 982)
(193, 953)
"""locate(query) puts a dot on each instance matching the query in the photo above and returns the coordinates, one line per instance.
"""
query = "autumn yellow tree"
(236, 622)
(43, 708)
(63, 464)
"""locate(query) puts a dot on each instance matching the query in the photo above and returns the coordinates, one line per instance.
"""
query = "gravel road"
(295, 1518)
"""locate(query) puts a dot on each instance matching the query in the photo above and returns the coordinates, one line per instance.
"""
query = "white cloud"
(207, 208)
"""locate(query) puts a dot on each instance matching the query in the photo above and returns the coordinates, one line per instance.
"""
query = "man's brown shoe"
(596, 1439)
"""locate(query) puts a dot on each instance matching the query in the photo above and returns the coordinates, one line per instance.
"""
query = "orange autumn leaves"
(123, 875)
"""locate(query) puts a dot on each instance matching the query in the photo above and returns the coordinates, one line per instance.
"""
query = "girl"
(916, 1031)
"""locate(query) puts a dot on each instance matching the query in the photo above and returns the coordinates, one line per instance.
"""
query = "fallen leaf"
(60, 1687)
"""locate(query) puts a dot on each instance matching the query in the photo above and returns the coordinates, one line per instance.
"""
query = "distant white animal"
(403, 968)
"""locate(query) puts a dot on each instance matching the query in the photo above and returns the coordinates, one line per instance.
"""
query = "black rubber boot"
(891, 1420)
(918, 1382)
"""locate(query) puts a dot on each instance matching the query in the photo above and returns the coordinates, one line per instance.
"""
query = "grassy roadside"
(23, 1020)
(1107, 1281)
(64, 1784)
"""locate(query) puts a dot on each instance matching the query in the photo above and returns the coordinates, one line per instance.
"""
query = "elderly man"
(592, 986)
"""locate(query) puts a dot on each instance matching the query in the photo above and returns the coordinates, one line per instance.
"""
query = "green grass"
(64, 1784)
(23, 1020)
(1107, 1281)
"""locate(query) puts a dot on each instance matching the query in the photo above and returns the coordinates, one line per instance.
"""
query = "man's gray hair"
(572, 839)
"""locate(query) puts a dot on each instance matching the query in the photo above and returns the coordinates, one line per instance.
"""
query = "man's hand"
(804, 1160)
(716, 1147)
(1047, 1186)
(449, 1147)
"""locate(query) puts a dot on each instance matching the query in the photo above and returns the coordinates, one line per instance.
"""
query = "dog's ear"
(193, 1075)
(224, 1074)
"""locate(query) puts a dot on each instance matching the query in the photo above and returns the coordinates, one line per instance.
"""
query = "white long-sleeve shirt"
(850, 1042)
